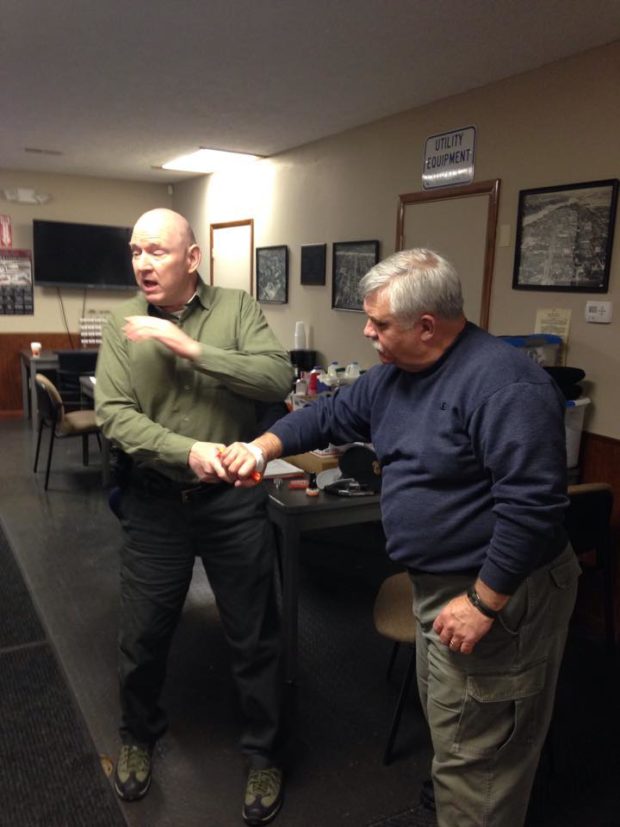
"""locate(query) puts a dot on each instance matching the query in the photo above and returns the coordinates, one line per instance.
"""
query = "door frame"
(489, 188)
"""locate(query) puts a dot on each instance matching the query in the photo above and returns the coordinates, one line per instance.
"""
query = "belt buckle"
(188, 493)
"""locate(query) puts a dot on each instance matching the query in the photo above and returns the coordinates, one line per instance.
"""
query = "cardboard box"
(314, 463)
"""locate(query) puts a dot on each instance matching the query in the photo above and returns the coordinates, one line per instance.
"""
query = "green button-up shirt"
(155, 405)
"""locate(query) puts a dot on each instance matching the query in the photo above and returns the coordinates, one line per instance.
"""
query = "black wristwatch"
(474, 599)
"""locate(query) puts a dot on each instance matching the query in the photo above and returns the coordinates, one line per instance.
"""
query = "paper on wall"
(554, 320)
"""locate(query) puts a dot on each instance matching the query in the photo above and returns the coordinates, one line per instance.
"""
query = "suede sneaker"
(263, 795)
(132, 777)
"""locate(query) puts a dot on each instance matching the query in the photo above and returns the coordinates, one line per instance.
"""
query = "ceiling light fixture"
(25, 195)
(209, 160)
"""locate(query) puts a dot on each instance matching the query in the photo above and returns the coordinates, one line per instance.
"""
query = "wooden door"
(232, 254)
(459, 223)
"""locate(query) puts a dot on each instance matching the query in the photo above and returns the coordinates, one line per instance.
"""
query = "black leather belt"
(158, 485)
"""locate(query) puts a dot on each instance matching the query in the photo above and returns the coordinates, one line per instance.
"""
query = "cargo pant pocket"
(499, 710)
(564, 572)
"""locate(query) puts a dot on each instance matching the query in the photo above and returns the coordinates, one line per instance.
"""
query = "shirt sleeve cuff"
(175, 450)
(499, 580)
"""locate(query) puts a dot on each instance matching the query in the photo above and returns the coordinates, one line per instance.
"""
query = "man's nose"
(369, 330)
(142, 261)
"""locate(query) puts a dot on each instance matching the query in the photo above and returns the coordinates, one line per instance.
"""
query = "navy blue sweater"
(472, 452)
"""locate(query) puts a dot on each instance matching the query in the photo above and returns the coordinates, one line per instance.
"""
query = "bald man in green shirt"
(179, 373)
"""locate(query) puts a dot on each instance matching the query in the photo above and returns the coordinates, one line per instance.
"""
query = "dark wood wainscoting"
(10, 374)
(600, 462)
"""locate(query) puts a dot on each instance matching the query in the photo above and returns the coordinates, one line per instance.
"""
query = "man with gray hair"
(471, 440)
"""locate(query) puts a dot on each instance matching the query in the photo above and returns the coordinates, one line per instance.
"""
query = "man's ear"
(428, 324)
(194, 257)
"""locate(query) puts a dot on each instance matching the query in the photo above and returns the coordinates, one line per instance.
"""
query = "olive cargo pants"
(489, 712)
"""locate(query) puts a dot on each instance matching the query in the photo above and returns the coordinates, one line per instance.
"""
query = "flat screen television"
(82, 256)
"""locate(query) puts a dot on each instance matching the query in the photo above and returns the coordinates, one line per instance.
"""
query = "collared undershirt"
(177, 315)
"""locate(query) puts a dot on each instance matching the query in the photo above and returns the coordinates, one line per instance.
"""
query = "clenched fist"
(142, 328)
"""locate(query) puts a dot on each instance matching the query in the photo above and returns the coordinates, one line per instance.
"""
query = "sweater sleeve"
(341, 418)
(519, 435)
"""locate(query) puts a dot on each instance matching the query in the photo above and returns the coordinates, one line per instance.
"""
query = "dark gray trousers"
(489, 712)
(228, 529)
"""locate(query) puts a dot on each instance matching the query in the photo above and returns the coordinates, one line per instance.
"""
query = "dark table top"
(294, 501)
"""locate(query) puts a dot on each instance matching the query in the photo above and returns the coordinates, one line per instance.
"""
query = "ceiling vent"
(25, 195)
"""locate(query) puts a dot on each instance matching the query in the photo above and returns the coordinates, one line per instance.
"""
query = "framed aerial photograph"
(272, 274)
(313, 258)
(351, 260)
(565, 236)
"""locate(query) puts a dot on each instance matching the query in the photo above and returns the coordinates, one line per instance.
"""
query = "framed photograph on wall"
(351, 260)
(272, 274)
(565, 237)
(313, 259)
(16, 296)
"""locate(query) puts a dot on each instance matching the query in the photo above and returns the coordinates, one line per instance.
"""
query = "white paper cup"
(35, 349)
(300, 336)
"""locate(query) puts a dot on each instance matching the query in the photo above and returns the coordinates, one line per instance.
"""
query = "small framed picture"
(313, 259)
(565, 237)
(351, 261)
(272, 274)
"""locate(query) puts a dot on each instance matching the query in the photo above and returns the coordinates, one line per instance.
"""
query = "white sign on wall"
(449, 158)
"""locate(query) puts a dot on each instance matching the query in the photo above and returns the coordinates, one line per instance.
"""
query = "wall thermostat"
(598, 312)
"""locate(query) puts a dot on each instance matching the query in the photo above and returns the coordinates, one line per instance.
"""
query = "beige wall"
(557, 125)
(554, 126)
(87, 200)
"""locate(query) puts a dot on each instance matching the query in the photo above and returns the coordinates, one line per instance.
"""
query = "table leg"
(106, 475)
(290, 541)
(34, 405)
(25, 371)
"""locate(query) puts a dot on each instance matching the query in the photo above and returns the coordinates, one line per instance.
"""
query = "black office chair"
(72, 365)
(52, 415)
(588, 522)
(393, 618)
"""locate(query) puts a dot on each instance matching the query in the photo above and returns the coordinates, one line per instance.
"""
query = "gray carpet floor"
(51, 774)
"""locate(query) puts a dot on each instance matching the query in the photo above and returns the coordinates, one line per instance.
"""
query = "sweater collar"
(464, 333)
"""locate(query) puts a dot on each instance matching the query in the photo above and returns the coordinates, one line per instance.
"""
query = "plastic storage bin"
(573, 420)
(544, 348)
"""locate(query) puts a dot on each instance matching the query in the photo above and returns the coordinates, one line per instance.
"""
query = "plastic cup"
(300, 336)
